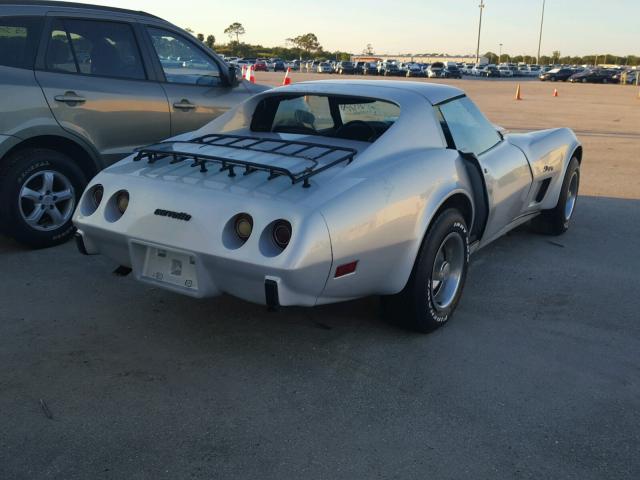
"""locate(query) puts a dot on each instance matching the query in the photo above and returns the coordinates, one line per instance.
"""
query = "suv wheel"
(39, 190)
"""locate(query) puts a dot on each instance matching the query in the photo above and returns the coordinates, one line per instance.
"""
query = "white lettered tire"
(434, 289)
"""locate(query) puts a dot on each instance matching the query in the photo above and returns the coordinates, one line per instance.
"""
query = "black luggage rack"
(296, 149)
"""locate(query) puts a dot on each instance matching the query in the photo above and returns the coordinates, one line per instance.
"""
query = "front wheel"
(436, 282)
(556, 221)
(39, 189)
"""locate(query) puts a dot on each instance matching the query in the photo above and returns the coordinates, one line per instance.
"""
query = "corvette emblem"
(177, 215)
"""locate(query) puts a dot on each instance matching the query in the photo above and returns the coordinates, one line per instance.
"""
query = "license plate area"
(168, 266)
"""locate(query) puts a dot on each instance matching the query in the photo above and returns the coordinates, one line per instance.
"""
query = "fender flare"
(49, 137)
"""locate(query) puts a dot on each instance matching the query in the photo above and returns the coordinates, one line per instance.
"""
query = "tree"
(307, 42)
(235, 29)
(189, 30)
(201, 37)
(211, 40)
(368, 50)
(555, 55)
(492, 57)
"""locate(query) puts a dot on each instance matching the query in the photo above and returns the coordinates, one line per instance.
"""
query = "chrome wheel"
(446, 275)
(572, 196)
(46, 200)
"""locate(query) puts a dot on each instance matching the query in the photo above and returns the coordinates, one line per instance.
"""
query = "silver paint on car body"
(375, 210)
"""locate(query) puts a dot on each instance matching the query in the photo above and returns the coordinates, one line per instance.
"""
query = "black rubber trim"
(80, 244)
(271, 294)
(457, 97)
(480, 198)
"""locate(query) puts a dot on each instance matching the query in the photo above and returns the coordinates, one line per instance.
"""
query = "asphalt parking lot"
(537, 375)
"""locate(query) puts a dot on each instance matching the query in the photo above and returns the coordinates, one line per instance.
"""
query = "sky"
(574, 27)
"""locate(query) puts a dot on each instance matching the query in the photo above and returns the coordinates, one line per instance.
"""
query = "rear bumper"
(265, 283)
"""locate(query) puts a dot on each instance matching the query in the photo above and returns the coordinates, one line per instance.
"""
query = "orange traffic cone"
(250, 74)
(287, 78)
(244, 71)
(518, 96)
(555, 92)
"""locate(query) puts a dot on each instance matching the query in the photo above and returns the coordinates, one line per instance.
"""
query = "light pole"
(500, 57)
(479, 30)
(540, 39)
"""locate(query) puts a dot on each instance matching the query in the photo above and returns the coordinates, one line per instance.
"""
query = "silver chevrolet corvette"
(327, 191)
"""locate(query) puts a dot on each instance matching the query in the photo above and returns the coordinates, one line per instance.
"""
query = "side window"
(182, 62)
(19, 37)
(59, 57)
(106, 49)
(468, 127)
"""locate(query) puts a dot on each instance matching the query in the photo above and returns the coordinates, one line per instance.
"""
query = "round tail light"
(243, 226)
(122, 201)
(96, 195)
(281, 233)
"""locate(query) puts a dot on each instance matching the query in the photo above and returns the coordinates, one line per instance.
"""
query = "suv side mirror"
(233, 76)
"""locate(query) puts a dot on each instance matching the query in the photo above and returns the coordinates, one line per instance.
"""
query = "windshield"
(353, 118)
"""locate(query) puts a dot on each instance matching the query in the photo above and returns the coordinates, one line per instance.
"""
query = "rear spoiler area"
(296, 160)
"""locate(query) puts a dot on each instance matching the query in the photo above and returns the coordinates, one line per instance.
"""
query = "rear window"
(352, 118)
(19, 37)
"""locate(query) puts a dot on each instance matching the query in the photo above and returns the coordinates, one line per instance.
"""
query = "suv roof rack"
(275, 146)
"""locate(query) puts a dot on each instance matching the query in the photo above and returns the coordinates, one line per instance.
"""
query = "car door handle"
(184, 104)
(70, 98)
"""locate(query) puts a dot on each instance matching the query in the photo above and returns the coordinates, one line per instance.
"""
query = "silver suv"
(82, 86)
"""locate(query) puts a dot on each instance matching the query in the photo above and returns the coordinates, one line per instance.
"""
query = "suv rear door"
(193, 79)
(98, 85)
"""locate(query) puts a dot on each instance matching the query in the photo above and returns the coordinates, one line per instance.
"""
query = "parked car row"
(589, 75)
(393, 68)
(508, 70)
(387, 68)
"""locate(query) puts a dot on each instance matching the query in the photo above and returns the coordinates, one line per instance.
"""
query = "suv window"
(107, 49)
(182, 61)
(468, 127)
(19, 37)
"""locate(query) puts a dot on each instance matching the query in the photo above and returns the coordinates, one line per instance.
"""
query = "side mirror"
(233, 76)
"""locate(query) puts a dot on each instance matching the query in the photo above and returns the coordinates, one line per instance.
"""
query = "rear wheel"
(435, 286)
(556, 221)
(39, 190)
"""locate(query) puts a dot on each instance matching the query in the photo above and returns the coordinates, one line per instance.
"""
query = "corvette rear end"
(323, 192)
(202, 227)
